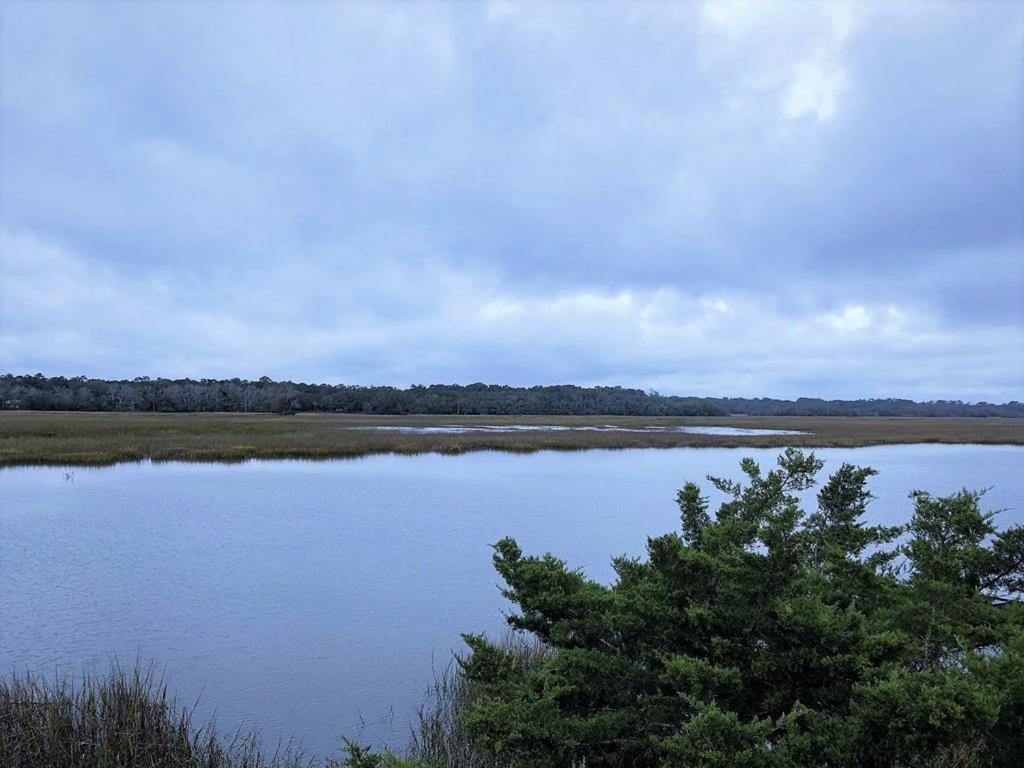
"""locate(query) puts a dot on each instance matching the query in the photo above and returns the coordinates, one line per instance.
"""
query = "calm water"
(311, 599)
(455, 429)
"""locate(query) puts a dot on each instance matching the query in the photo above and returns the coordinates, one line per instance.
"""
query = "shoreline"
(82, 439)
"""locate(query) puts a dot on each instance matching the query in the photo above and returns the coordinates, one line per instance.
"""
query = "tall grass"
(126, 719)
(438, 737)
(83, 439)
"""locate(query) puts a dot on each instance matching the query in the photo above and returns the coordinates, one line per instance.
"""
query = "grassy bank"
(127, 718)
(76, 438)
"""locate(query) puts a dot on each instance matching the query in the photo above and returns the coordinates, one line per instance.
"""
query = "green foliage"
(766, 636)
(364, 757)
(78, 393)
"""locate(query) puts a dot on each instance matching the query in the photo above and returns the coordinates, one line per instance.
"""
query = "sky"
(726, 199)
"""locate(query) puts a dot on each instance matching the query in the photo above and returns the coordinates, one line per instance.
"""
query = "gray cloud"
(520, 193)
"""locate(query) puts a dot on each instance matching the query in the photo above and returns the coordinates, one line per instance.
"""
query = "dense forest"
(59, 393)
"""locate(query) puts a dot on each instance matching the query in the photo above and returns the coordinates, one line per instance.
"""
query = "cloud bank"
(718, 199)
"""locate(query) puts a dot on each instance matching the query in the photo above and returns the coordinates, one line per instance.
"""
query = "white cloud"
(423, 322)
(851, 318)
(815, 89)
(773, 198)
(500, 10)
(792, 51)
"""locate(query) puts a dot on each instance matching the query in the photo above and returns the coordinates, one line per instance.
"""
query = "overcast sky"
(715, 199)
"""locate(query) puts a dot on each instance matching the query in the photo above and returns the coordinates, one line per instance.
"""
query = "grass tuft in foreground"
(126, 719)
(439, 737)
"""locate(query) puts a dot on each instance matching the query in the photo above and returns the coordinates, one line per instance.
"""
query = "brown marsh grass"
(126, 718)
(79, 438)
(438, 736)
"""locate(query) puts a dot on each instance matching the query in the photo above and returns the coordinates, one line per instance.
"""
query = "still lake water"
(458, 429)
(311, 599)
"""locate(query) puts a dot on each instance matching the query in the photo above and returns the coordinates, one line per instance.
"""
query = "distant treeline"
(59, 393)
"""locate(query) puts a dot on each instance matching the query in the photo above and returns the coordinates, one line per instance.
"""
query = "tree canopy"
(766, 636)
(78, 393)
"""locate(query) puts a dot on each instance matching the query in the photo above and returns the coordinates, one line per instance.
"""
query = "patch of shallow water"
(738, 431)
(455, 429)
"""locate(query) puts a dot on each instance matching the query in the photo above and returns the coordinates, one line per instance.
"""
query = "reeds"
(439, 738)
(124, 720)
(57, 438)
(128, 719)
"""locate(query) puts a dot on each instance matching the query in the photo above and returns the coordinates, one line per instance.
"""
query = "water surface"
(312, 598)
(459, 429)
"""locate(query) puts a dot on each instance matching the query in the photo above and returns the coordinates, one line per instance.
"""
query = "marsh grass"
(438, 737)
(84, 439)
(126, 719)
